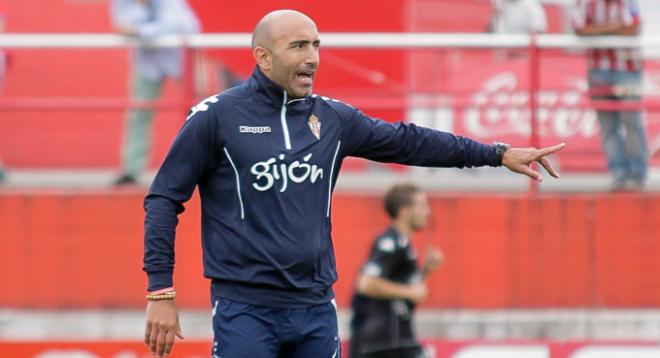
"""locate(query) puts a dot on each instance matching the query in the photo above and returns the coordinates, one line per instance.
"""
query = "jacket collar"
(264, 88)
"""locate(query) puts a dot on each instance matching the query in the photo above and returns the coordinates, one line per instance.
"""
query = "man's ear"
(263, 58)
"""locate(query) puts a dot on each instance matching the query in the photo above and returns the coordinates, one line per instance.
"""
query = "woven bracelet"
(163, 296)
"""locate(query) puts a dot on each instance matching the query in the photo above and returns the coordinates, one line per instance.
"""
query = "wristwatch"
(500, 149)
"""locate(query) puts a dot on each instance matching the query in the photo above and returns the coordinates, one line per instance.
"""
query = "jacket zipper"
(285, 128)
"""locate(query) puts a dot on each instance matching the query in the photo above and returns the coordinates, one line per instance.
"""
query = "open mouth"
(305, 77)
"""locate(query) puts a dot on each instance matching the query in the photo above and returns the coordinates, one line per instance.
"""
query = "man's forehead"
(302, 37)
(302, 32)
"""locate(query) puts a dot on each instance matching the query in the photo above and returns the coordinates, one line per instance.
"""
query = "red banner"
(98, 349)
(485, 95)
(435, 347)
(541, 349)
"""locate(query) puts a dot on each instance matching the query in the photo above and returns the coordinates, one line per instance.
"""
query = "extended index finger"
(549, 150)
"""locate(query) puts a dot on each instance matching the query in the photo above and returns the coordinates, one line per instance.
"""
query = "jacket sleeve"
(192, 153)
(407, 143)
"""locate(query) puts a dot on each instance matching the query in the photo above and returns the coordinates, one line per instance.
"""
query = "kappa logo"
(254, 130)
(315, 126)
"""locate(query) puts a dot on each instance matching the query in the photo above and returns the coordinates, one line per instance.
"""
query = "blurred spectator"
(3, 68)
(3, 55)
(391, 284)
(147, 19)
(616, 75)
(518, 17)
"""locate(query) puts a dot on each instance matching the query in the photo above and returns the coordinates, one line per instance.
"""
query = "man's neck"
(402, 228)
(269, 76)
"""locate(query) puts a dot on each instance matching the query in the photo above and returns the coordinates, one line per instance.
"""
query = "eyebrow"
(304, 42)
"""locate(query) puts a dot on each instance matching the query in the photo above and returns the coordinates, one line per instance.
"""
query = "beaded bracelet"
(170, 295)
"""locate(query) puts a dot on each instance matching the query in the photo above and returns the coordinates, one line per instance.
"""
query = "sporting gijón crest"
(315, 126)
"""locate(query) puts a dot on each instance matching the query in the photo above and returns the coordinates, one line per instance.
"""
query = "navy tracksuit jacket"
(266, 166)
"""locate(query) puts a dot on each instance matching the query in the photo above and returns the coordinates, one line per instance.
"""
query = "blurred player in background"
(616, 75)
(147, 19)
(391, 283)
(266, 156)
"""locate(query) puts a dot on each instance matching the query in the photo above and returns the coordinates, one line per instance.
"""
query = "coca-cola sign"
(487, 97)
(500, 108)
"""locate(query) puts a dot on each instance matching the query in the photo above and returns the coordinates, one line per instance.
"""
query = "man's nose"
(312, 57)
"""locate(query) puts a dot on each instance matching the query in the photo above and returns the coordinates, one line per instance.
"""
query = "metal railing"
(534, 44)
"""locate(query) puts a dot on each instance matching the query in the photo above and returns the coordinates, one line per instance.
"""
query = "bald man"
(265, 156)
